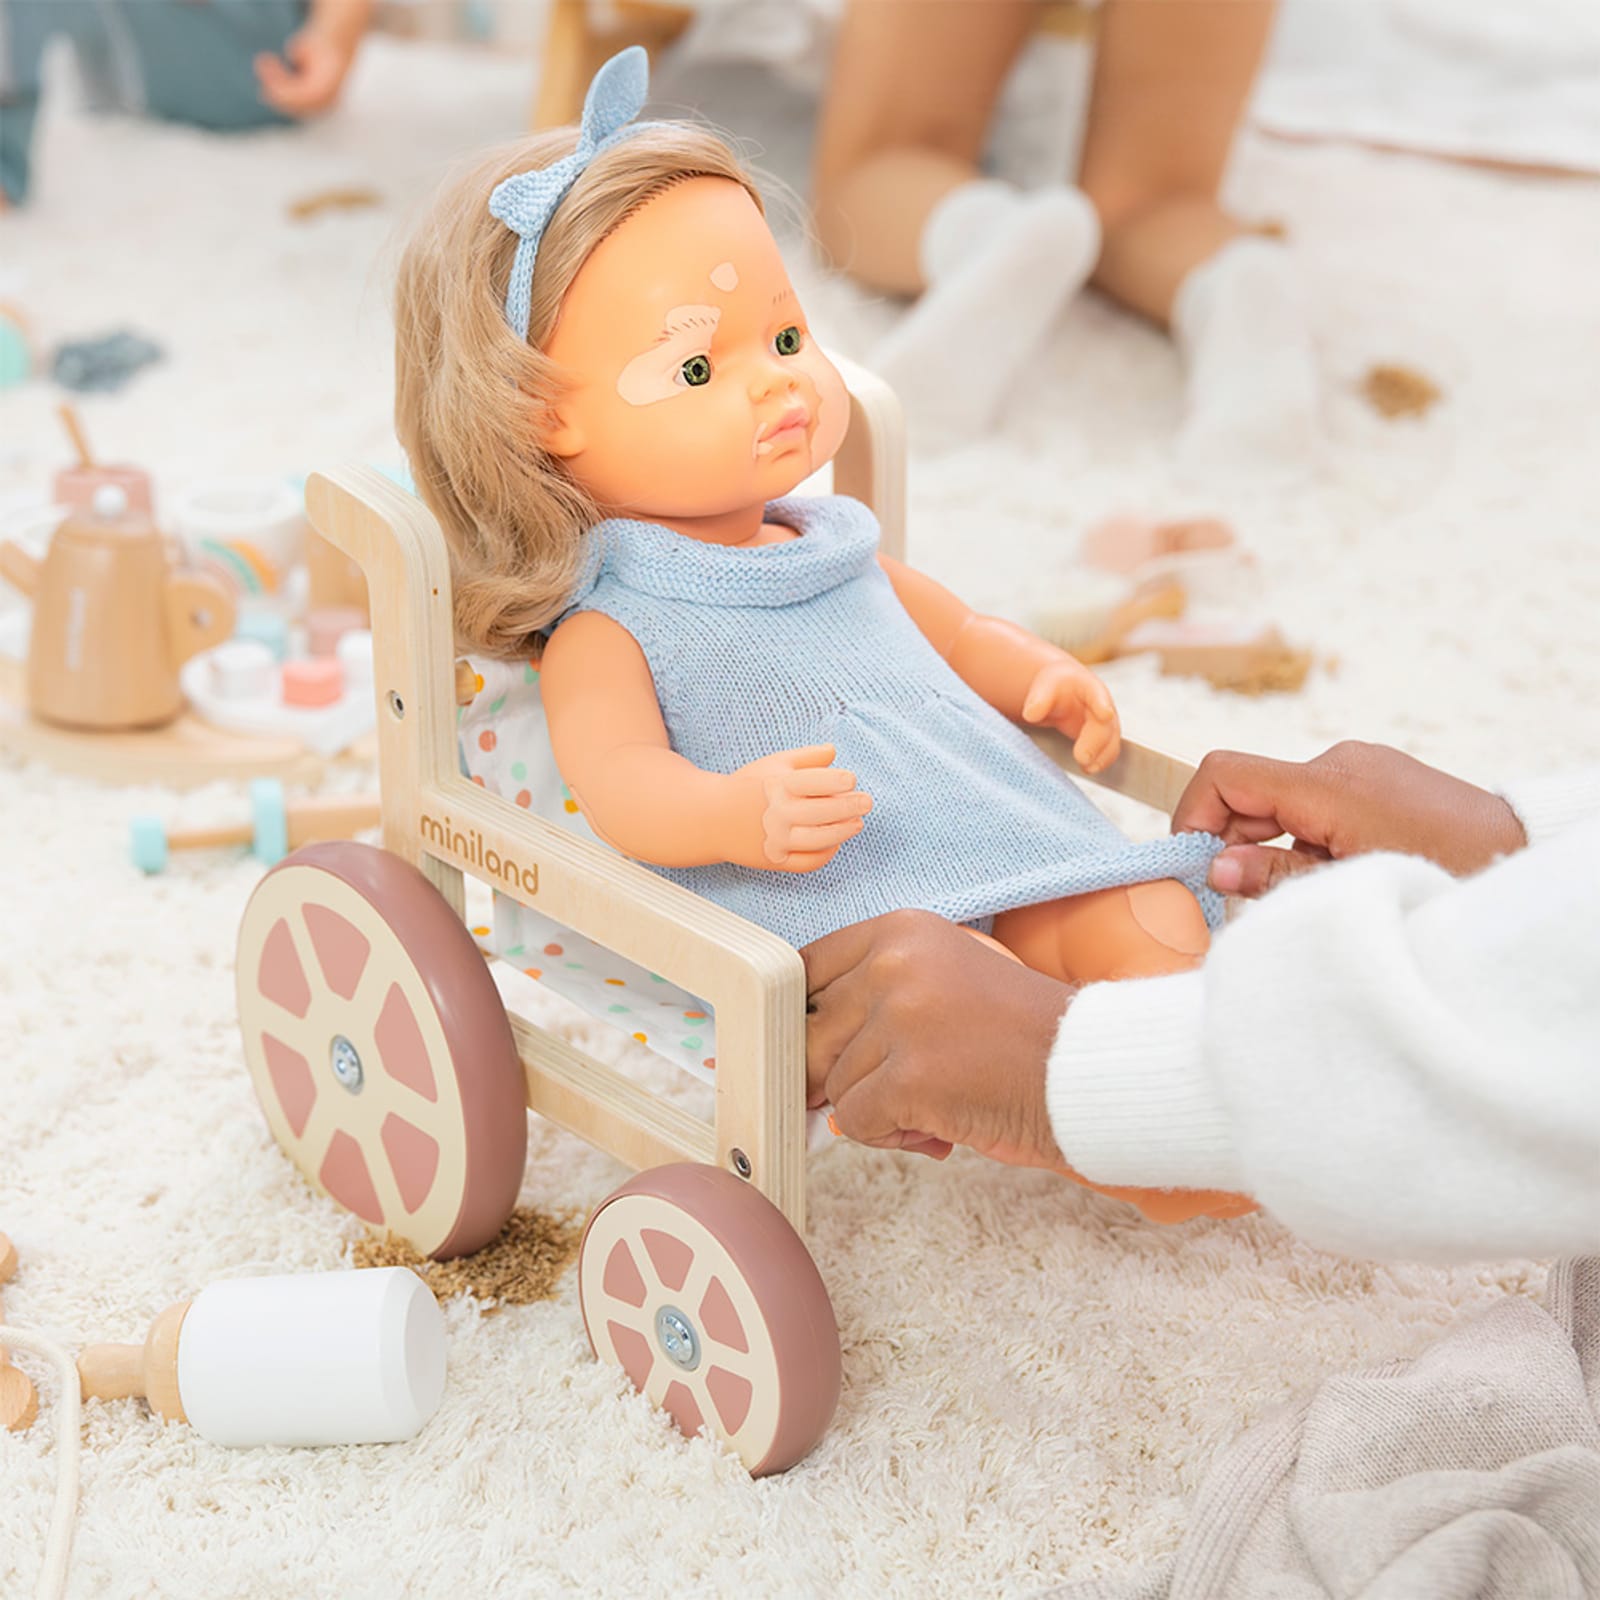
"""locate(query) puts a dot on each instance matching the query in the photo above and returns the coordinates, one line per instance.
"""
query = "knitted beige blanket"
(1471, 1471)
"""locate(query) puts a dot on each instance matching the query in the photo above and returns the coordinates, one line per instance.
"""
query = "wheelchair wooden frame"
(436, 818)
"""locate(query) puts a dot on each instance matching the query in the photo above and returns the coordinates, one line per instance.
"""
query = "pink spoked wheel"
(695, 1284)
(380, 1048)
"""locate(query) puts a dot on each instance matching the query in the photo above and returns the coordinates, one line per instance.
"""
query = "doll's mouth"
(788, 428)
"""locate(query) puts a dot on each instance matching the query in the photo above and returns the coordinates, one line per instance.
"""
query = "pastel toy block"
(317, 682)
(264, 627)
(326, 627)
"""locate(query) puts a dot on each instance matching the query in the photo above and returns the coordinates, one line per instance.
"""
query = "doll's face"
(693, 387)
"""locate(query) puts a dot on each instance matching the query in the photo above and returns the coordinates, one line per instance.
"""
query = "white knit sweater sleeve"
(1393, 1061)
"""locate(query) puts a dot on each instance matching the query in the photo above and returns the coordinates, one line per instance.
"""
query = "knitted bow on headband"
(526, 202)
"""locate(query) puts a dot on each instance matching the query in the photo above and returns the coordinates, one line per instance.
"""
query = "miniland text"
(469, 848)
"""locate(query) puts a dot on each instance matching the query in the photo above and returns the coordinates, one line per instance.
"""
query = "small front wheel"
(695, 1284)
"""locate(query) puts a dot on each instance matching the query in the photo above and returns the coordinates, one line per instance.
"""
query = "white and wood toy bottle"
(304, 1359)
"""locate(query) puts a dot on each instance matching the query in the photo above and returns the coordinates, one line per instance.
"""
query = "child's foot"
(1000, 266)
(1239, 320)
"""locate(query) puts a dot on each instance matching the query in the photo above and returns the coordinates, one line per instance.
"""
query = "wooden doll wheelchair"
(395, 1078)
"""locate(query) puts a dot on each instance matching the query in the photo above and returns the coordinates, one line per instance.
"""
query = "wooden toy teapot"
(113, 619)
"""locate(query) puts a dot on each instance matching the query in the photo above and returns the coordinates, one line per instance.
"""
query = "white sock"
(1239, 319)
(1000, 265)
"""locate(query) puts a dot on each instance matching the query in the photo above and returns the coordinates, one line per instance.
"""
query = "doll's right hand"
(808, 807)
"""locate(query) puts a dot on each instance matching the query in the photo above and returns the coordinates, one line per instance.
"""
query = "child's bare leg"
(901, 205)
(910, 97)
(1172, 78)
(1143, 931)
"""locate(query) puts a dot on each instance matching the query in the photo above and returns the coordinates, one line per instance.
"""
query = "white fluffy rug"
(1034, 1380)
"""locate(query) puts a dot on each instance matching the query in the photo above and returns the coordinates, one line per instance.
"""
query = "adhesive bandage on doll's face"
(725, 277)
(678, 360)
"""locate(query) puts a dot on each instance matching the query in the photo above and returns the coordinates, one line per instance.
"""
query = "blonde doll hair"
(470, 395)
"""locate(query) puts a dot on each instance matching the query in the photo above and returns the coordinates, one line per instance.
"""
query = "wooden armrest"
(1140, 773)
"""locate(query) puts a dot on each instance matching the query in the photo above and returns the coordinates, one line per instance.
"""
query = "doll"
(607, 391)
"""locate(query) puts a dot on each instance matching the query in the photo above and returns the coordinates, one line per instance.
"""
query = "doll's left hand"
(1067, 696)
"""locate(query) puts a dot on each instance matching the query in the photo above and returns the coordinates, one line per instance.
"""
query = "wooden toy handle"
(334, 816)
(148, 1371)
(18, 568)
(1167, 600)
(218, 838)
(200, 613)
(112, 1371)
(337, 816)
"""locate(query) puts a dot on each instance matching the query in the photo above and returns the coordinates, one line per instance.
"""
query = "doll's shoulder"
(587, 630)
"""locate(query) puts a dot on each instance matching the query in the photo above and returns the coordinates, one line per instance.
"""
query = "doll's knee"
(1171, 916)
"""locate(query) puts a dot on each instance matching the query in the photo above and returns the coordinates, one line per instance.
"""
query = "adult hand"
(923, 1038)
(1350, 800)
(308, 78)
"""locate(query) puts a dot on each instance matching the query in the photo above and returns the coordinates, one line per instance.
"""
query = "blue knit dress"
(775, 647)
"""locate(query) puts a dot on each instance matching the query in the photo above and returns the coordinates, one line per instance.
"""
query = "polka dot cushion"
(505, 746)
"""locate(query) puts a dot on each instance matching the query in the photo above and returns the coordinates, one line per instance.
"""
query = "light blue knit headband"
(526, 202)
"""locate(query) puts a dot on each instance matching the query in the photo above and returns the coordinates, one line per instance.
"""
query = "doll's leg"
(1137, 932)
(991, 943)
(901, 205)
(1142, 931)
(1170, 86)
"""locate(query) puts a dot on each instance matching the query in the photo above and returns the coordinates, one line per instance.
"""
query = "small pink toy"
(326, 627)
(316, 682)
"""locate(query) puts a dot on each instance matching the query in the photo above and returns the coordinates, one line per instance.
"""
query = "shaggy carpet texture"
(1034, 1378)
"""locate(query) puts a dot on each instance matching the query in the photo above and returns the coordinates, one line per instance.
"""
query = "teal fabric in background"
(183, 60)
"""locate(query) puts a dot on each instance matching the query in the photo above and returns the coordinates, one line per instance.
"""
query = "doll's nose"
(774, 377)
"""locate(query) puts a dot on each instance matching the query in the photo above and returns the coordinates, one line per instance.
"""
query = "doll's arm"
(788, 812)
(1017, 673)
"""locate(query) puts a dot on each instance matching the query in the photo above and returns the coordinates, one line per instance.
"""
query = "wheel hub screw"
(676, 1336)
(346, 1064)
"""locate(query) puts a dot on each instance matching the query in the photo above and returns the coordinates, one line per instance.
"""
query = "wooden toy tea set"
(133, 672)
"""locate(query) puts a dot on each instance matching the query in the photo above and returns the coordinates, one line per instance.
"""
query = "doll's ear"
(559, 435)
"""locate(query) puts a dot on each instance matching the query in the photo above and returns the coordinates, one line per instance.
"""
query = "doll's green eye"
(788, 342)
(696, 371)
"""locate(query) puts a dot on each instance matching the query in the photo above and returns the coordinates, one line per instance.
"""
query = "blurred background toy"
(75, 486)
(176, 656)
(323, 698)
(248, 531)
(276, 826)
(105, 363)
(17, 357)
(19, 1403)
(113, 620)
(1135, 592)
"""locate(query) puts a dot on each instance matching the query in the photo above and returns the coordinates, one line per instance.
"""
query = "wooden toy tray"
(185, 753)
